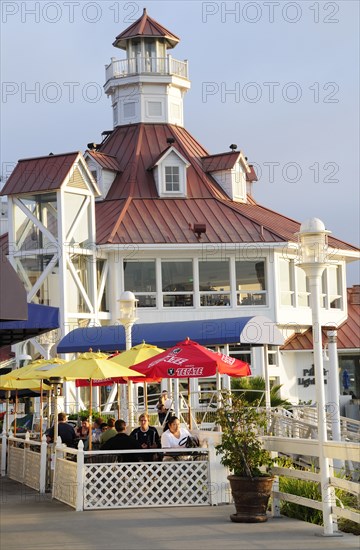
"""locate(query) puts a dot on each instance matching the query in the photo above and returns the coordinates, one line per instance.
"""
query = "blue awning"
(40, 319)
(257, 330)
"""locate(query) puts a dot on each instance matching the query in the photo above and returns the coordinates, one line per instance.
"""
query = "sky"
(279, 79)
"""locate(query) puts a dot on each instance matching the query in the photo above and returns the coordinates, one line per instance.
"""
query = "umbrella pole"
(49, 407)
(90, 417)
(15, 411)
(118, 400)
(189, 405)
(145, 398)
(41, 408)
(56, 427)
(7, 397)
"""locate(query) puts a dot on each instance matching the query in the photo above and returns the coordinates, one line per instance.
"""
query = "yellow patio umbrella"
(15, 385)
(136, 355)
(31, 369)
(89, 366)
(30, 372)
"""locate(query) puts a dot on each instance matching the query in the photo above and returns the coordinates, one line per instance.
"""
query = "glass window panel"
(28, 235)
(100, 264)
(334, 290)
(177, 279)
(286, 288)
(250, 278)
(207, 299)
(73, 203)
(34, 267)
(214, 276)
(302, 287)
(140, 278)
(178, 300)
(214, 281)
(76, 300)
(250, 275)
(177, 276)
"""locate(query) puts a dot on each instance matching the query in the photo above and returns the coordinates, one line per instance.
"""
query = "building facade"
(150, 210)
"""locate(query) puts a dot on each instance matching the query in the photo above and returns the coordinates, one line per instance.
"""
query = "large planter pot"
(251, 498)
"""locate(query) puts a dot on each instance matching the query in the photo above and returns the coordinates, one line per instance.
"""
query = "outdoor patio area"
(48, 524)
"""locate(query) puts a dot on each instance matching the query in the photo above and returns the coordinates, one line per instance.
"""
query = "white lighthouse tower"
(149, 85)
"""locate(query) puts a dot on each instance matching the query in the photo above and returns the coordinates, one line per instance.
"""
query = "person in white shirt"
(174, 437)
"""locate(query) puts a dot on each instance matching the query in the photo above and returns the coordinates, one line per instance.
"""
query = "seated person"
(147, 436)
(82, 432)
(108, 433)
(174, 436)
(122, 442)
(96, 433)
(65, 431)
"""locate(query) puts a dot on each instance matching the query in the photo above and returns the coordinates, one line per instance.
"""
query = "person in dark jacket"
(65, 431)
(122, 442)
(147, 436)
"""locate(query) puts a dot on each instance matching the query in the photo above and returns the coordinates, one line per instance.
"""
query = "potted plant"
(242, 452)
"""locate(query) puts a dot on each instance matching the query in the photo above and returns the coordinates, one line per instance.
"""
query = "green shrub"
(311, 490)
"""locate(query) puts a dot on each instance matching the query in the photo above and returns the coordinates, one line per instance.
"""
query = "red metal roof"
(252, 175)
(161, 221)
(348, 334)
(145, 26)
(39, 174)
(133, 212)
(106, 161)
(222, 161)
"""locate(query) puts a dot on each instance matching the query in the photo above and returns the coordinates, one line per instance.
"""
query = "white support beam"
(101, 288)
(24, 234)
(20, 268)
(79, 284)
(42, 278)
(77, 219)
(35, 220)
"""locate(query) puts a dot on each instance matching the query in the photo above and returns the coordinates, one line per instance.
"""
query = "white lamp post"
(128, 307)
(313, 260)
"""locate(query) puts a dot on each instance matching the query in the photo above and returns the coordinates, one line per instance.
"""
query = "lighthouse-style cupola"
(149, 85)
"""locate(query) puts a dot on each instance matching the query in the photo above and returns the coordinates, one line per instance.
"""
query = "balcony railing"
(120, 68)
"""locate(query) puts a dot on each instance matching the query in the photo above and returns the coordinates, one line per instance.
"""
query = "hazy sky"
(280, 79)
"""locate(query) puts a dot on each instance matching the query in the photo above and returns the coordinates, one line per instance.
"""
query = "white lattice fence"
(65, 481)
(32, 469)
(126, 485)
(16, 463)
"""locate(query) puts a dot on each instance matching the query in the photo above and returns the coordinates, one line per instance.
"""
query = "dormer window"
(172, 179)
(170, 173)
(229, 170)
(103, 168)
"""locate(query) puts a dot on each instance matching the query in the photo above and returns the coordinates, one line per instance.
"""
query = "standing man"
(163, 406)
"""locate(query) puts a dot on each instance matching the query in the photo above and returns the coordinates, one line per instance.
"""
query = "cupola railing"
(120, 68)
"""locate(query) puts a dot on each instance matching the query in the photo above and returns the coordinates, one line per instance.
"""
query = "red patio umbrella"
(189, 359)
